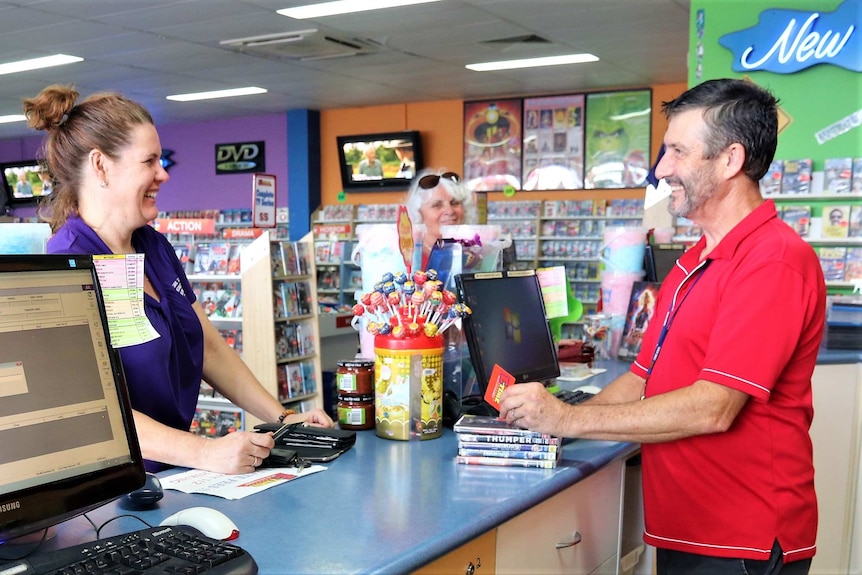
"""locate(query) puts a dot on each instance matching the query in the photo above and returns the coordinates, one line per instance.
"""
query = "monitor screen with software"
(69, 442)
(508, 326)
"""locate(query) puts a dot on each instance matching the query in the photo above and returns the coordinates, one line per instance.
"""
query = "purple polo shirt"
(163, 375)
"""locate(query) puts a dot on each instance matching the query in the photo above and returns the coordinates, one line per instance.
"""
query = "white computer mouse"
(594, 389)
(212, 523)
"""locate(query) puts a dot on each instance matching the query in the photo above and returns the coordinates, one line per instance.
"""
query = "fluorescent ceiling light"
(37, 63)
(12, 118)
(533, 62)
(217, 94)
(344, 7)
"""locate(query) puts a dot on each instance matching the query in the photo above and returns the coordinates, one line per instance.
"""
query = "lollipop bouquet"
(407, 318)
(400, 307)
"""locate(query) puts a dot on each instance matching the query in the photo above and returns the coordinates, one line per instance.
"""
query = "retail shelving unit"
(280, 345)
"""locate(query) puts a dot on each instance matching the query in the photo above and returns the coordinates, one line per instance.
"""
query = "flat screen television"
(25, 183)
(377, 162)
(68, 438)
(507, 326)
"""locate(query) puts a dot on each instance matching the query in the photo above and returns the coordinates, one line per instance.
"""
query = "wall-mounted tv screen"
(374, 162)
(26, 182)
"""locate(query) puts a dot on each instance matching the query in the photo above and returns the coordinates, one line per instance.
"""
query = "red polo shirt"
(752, 321)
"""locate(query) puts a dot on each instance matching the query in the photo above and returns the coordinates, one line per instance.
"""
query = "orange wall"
(441, 126)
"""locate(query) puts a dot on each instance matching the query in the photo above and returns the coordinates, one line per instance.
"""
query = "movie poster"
(641, 312)
(553, 145)
(492, 145)
(617, 139)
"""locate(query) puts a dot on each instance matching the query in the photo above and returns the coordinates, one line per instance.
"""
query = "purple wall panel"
(194, 184)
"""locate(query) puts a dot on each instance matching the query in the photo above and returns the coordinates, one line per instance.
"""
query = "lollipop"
(434, 300)
(413, 329)
(398, 332)
(385, 329)
(430, 329)
(419, 277)
(388, 277)
(417, 299)
(432, 275)
(400, 278)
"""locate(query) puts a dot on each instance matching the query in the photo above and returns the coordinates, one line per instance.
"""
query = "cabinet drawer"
(473, 558)
(591, 508)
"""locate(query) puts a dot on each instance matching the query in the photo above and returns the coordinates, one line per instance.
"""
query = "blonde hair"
(103, 122)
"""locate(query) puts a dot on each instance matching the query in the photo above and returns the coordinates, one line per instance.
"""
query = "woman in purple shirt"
(104, 154)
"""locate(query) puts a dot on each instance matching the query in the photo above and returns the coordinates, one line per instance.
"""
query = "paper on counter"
(234, 486)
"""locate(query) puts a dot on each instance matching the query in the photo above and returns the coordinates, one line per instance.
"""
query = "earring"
(103, 184)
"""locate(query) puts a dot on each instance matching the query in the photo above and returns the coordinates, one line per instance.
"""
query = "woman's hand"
(237, 452)
(313, 418)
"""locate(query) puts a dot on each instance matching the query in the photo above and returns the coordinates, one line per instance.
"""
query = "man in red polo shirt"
(720, 394)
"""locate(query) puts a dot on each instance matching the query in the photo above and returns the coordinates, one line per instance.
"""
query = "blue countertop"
(384, 506)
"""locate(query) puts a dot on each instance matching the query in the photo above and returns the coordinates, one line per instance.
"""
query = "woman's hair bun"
(51, 108)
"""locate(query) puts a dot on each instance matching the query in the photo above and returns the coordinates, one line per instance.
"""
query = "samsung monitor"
(25, 183)
(68, 439)
(507, 326)
(375, 162)
(659, 259)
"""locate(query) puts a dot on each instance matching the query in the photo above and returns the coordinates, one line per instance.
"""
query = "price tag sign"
(263, 201)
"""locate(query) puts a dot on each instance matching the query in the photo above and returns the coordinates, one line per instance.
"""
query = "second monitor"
(508, 326)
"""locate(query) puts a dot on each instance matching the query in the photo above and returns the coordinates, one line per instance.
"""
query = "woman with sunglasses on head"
(438, 198)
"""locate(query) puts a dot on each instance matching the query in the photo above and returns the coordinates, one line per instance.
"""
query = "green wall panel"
(814, 98)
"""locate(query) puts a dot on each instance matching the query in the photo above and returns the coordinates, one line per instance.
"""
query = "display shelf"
(282, 351)
(564, 232)
(838, 243)
(338, 277)
(217, 281)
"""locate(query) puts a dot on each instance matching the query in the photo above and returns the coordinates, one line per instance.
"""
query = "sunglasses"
(431, 180)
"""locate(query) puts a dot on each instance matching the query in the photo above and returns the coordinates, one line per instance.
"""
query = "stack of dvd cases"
(486, 440)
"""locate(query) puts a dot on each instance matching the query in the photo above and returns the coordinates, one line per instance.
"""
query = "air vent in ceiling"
(308, 44)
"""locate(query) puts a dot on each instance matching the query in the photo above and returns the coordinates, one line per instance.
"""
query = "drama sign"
(240, 158)
(787, 41)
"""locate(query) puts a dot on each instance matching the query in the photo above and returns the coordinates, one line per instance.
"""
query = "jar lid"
(355, 398)
(358, 362)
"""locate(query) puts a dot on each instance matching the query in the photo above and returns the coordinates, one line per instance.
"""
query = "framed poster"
(492, 145)
(641, 311)
(553, 143)
(617, 139)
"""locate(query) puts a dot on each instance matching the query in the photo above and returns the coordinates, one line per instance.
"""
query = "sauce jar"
(355, 411)
(355, 377)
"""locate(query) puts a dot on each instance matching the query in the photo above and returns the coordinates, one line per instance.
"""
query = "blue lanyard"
(671, 315)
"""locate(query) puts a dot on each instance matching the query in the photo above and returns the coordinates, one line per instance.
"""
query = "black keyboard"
(178, 550)
(573, 397)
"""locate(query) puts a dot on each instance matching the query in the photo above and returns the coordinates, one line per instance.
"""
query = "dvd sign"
(240, 158)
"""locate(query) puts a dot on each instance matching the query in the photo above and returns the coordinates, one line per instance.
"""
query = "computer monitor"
(66, 430)
(507, 326)
(659, 259)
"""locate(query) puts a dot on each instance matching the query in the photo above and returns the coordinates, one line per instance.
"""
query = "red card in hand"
(500, 379)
